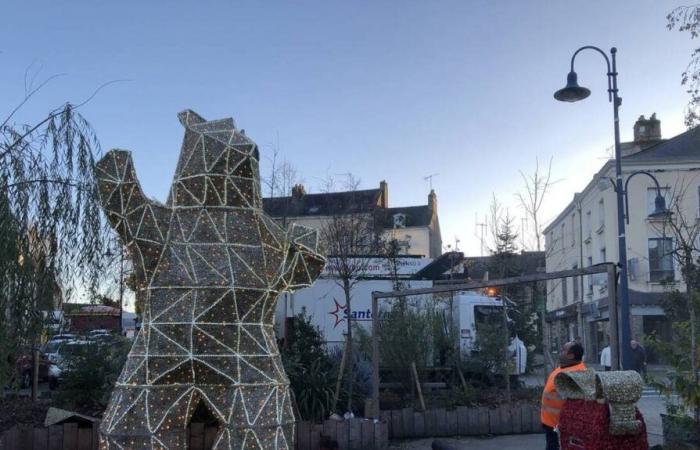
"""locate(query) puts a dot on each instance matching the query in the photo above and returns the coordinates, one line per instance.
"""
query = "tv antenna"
(429, 179)
(482, 231)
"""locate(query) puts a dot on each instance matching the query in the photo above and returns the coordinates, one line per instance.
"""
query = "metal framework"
(609, 268)
(209, 266)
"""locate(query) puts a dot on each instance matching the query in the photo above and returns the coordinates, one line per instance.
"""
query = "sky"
(385, 90)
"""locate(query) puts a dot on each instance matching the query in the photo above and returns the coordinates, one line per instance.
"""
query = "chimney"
(647, 131)
(384, 188)
(298, 191)
(432, 202)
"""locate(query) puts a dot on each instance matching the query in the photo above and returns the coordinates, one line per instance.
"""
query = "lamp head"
(572, 92)
(660, 210)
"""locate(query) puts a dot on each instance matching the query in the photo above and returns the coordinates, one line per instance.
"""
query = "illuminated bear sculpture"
(209, 266)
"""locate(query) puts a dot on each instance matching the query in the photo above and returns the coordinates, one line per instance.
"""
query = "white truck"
(471, 310)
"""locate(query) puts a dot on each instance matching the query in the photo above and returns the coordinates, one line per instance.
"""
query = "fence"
(463, 421)
(353, 434)
(56, 437)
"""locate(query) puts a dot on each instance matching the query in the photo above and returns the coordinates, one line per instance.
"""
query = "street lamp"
(660, 210)
(572, 92)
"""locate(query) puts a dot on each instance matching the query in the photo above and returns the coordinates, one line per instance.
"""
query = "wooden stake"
(461, 378)
(420, 391)
(341, 371)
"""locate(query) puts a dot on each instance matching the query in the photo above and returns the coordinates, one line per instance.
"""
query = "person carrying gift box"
(570, 360)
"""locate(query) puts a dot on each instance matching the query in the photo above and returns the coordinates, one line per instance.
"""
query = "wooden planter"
(463, 421)
(353, 434)
(680, 433)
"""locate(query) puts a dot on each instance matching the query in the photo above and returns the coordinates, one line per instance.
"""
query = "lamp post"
(660, 209)
(572, 92)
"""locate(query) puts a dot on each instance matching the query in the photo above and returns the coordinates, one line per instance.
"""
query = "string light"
(210, 266)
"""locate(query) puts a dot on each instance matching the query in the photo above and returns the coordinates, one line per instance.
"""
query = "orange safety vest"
(551, 401)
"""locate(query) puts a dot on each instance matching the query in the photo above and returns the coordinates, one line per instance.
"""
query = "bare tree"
(349, 236)
(686, 19)
(283, 176)
(683, 227)
(536, 186)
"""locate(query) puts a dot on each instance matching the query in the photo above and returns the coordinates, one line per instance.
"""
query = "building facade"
(585, 233)
(416, 228)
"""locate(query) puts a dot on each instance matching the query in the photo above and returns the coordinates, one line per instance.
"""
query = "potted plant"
(680, 424)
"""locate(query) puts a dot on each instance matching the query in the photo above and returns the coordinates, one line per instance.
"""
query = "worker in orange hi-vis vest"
(570, 360)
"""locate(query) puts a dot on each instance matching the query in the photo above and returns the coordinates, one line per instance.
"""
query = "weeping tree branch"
(53, 233)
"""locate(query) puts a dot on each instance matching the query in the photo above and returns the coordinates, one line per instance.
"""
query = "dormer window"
(399, 220)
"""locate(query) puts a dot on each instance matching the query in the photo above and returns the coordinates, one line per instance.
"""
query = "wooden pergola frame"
(609, 268)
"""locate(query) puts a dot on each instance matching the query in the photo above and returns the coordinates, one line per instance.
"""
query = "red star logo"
(338, 308)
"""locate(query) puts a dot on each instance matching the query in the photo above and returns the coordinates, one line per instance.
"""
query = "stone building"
(585, 233)
(416, 228)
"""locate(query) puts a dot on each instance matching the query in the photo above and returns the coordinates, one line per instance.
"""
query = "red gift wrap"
(584, 425)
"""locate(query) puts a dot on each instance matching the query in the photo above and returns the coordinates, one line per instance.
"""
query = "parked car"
(51, 349)
(59, 367)
(100, 335)
(102, 331)
(63, 337)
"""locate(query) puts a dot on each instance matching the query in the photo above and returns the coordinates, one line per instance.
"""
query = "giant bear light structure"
(209, 266)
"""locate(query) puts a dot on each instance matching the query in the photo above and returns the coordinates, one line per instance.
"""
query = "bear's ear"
(188, 118)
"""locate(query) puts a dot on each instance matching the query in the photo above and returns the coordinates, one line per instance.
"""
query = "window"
(660, 259)
(564, 292)
(573, 229)
(651, 198)
(603, 280)
(575, 284)
(399, 220)
(589, 224)
(563, 231)
(601, 213)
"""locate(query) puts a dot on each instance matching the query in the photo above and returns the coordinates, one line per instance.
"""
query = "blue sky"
(393, 90)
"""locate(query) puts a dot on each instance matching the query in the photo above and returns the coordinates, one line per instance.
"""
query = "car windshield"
(72, 348)
(484, 315)
(52, 347)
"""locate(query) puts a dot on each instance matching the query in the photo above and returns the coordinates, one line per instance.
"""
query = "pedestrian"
(639, 358)
(605, 359)
(570, 360)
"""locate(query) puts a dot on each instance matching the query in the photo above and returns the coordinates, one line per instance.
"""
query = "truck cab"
(472, 310)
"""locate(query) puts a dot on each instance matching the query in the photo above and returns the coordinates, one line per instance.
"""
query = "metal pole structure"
(572, 92)
(375, 355)
(625, 328)
(612, 317)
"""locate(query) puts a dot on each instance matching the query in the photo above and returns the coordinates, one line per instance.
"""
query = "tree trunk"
(693, 344)
(689, 280)
(350, 362)
(506, 343)
(35, 371)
